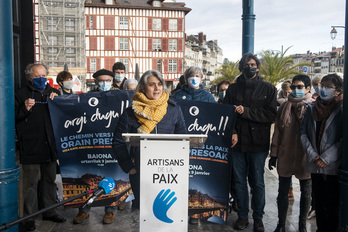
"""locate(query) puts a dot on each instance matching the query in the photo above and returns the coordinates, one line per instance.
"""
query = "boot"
(280, 228)
(305, 203)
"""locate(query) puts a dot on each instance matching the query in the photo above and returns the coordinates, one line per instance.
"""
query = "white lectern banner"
(164, 185)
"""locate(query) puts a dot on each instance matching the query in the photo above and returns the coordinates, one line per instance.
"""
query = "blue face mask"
(40, 82)
(104, 86)
(298, 93)
(222, 95)
(119, 77)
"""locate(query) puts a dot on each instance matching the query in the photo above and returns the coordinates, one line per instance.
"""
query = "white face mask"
(193, 82)
(104, 86)
(68, 84)
(119, 77)
(326, 93)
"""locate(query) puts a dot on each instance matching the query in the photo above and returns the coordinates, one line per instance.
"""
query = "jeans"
(326, 192)
(283, 200)
(249, 165)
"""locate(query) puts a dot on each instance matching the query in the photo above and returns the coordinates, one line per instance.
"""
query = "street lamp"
(333, 32)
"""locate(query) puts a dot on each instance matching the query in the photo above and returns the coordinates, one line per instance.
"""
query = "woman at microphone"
(152, 112)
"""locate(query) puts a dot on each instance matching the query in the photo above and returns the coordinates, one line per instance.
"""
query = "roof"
(140, 4)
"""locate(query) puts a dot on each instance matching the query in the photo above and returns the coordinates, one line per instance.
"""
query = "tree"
(276, 67)
(229, 71)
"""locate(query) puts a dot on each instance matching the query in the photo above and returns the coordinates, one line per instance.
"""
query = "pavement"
(128, 219)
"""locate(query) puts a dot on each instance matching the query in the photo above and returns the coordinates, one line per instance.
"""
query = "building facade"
(149, 33)
(204, 54)
(59, 31)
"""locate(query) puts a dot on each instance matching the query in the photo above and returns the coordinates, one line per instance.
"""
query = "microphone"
(105, 187)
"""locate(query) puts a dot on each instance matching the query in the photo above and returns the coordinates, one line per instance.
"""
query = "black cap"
(103, 72)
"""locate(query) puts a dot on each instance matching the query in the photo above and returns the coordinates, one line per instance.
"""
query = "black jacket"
(34, 129)
(259, 100)
(172, 123)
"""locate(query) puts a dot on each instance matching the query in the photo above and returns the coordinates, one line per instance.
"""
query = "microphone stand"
(5, 226)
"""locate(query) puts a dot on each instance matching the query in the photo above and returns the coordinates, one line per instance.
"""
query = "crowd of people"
(306, 143)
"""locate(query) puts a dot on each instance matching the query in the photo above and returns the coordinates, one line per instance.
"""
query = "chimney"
(200, 38)
(204, 38)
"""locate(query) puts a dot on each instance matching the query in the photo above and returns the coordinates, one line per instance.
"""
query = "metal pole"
(343, 173)
(248, 18)
(9, 173)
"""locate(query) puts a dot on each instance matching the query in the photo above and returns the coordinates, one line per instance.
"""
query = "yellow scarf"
(149, 112)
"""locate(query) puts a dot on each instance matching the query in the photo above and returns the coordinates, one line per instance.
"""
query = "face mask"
(104, 86)
(298, 93)
(119, 77)
(193, 82)
(40, 82)
(326, 93)
(68, 84)
(249, 72)
(316, 89)
(222, 95)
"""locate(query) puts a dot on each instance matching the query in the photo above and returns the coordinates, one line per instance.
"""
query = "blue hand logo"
(194, 82)
(162, 204)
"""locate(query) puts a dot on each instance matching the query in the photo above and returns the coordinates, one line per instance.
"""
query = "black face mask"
(249, 72)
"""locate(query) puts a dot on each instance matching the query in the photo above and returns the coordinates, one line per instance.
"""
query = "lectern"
(164, 175)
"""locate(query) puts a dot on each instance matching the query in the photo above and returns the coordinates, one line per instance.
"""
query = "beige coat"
(286, 143)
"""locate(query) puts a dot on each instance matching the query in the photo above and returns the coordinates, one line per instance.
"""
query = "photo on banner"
(209, 175)
(83, 125)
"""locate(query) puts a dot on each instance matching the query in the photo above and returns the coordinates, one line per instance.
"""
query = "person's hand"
(29, 103)
(272, 162)
(234, 140)
(132, 171)
(318, 161)
(52, 95)
(239, 109)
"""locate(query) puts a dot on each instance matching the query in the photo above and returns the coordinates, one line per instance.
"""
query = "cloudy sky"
(302, 24)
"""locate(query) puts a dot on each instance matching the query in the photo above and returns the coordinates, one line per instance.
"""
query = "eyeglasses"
(39, 102)
(296, 87)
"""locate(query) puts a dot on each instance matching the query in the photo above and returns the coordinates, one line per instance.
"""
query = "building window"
(125, 62)
(159, 65)
(156, 44)
(173, 66)
(173, 24)
(52, 40)
(52, 50)
(157, 24)
(70, 5)
(90, 22)
(156, 3)
(123, 22)
(70, 50)
(109, 43)
(93, 65)
(123, 43)
(70, 24)
(173, 45)
(52, 4)
(52, 23)
(70, 41)
(109, 22)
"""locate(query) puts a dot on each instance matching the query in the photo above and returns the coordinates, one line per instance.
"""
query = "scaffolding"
(60, 36)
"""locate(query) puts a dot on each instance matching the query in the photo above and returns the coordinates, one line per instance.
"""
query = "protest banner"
(83, 125)
(209, 165)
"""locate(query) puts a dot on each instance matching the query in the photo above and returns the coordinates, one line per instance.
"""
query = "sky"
(300, 24)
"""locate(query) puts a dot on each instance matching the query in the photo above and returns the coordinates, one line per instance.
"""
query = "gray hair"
(146, 75)
(129, 82)
(191, 71)
(29, 69)
(317, 79)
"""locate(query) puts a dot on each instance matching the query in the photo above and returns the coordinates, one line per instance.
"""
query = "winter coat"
(259, 100)
(64, 93)
(186, 93)
(330, 144)
(172, 123)
(286, 144)
(33, 127)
